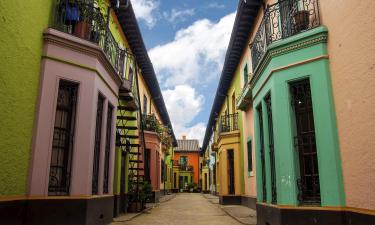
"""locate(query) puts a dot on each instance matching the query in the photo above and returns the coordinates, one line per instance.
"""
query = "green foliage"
(145, 192)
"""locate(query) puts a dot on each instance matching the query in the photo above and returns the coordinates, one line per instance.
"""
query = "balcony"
(151, 123)
(244, 100)
(282, 20)
(87, 22)
(183, 167)
(228, 123)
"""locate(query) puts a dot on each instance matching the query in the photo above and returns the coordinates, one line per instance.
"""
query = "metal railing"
(281, 20)
(151, 123)
(228, 123)
(84, 20)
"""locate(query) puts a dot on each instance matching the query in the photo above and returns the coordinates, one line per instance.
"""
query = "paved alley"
(184, 209)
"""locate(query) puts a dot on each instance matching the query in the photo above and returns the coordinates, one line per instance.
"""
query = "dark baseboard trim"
(229, 200)
(249, 202)
(273, 215)
(57, 211)
(155, 197)
(121, 203)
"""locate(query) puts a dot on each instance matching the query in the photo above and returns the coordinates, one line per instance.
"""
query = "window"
(98, 137)
(130, 75)
(245, 74)
(249, 156)
(162, 171)
(308, 183)
(183, 161)
(108, 138)
(262, 156)
(234, 102)
(272, 148)
(63, 137)
(144, 104)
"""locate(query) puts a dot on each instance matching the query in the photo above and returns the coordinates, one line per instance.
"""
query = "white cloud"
(194, 132)
(184, 104)
(195, 55)
(176, 16)
(215, 5)
(145, 10)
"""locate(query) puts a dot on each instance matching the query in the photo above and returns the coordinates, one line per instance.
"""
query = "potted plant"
(190, 187)
(145, 193)
(83, 27)
(301, 20)
(135, 205)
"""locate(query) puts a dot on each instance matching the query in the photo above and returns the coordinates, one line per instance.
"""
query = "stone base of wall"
(57, 211)
(238, 200)
(229, 200)
(249, 202)
(155, 197)
(119, 208)
(273, 215)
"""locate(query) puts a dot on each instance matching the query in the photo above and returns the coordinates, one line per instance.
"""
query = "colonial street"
(184, 209)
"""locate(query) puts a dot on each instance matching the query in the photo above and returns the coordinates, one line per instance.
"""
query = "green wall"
(317, 71)
(22, 24)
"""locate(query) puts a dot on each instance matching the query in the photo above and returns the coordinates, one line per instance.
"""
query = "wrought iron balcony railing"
(186, 168)
(281, 20)
(228, 123)
(151, 123)
(86, 21)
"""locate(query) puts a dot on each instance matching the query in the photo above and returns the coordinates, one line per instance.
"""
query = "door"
(308, 184)
(230, 172)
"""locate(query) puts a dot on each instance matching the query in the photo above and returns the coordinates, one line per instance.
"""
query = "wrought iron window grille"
(63, 139)
(308, 184)
(98, 135)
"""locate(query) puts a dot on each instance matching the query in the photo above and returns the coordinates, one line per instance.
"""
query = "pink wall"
(153, 143)
(64, 47)
(351, 50)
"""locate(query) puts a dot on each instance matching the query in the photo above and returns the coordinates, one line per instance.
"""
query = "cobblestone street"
(184, 209)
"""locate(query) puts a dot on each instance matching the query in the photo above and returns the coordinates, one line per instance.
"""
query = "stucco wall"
(22, 24)
(248, 127)
(351, 50)
(193, 160)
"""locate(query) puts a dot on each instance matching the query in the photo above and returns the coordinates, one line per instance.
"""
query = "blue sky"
(187, 41)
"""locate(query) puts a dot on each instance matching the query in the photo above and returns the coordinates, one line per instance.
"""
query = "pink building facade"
(90, 170)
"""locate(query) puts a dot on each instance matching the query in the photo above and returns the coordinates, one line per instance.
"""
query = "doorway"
(230, 164)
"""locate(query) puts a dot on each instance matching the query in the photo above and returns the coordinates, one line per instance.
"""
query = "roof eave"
(245, 18)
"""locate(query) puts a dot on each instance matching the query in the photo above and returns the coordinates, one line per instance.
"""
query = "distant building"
(186, 164)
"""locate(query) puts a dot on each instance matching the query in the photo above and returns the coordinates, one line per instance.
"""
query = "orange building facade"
(186, 165)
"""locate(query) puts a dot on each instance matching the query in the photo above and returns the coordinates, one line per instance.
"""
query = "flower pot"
(135, 207)
(82, 30)
(301, 20)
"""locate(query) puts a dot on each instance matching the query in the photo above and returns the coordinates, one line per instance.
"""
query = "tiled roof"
(187, 145)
